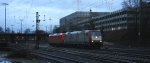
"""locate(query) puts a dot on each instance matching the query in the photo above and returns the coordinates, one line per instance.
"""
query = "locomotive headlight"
(100, 41)
(96, 37)
(92, 40)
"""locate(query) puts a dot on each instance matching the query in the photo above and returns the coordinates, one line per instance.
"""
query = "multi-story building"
(70, 22)
(115, 25)
(118, 25)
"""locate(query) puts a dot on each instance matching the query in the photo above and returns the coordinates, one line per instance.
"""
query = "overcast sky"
(52, 9)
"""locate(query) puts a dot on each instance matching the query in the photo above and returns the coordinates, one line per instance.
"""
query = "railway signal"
(37, 29)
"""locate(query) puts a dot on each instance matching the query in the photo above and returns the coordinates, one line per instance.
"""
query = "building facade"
(70, 22)
(125, 26)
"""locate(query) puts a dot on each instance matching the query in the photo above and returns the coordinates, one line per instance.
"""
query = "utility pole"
(50, 26)
(5, 4)
(21, 24)
(12, 28)
(44, 18)
(37, 29)
(140, 22)
(92, 25)
(78, 5)
(90, 18)
(46, 29)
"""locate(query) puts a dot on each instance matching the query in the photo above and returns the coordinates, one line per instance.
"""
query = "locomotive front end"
(96, 38)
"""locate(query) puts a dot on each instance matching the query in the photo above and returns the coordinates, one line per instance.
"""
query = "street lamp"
(5, 4)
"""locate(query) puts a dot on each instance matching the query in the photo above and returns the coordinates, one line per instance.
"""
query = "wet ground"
(4, 59)
(3, 54)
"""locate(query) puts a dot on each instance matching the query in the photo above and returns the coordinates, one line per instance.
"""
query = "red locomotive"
(77, 38)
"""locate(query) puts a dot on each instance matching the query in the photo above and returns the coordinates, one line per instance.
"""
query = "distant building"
(70, 22)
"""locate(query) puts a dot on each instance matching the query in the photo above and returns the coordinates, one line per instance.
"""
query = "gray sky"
(52, 9)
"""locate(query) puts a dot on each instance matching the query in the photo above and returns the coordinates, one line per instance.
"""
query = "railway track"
(137, 53)
(62, 57)
(53, 58)
(106, 58)
(128, 50)
(109, 56)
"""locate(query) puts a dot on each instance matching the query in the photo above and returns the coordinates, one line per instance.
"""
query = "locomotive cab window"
(96, 33)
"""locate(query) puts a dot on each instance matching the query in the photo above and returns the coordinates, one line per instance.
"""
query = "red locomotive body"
(56, 38)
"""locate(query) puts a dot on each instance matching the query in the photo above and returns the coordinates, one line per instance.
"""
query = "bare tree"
(56, 29)
(130, 3)
(1, 30)
(8, 30)
(27, 31)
